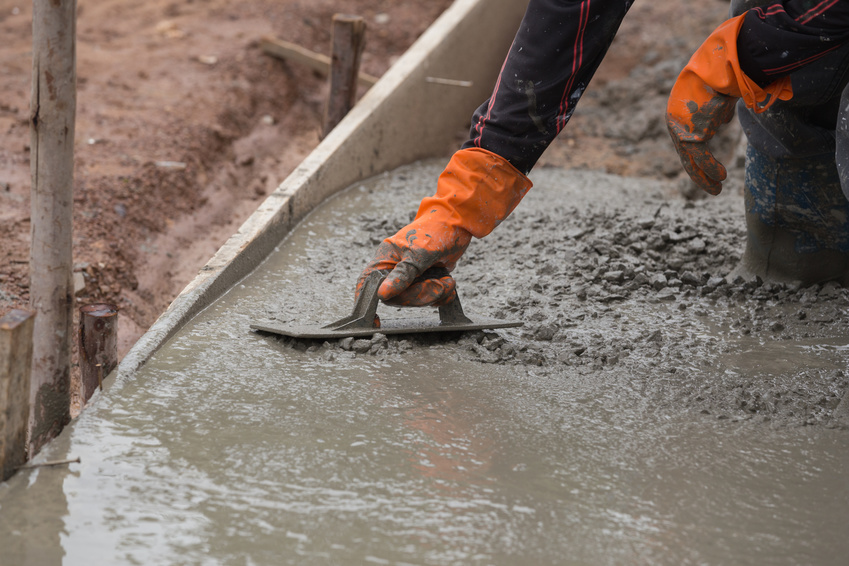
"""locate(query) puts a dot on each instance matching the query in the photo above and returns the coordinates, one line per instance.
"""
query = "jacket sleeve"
(555, 53)
(785, 35)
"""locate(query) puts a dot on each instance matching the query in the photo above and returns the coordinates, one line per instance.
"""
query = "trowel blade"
(387, 326)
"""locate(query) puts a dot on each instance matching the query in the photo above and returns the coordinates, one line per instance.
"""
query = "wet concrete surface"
(650, 411)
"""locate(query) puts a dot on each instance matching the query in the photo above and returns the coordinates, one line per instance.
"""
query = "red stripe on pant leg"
(577, 60)
(482, 122)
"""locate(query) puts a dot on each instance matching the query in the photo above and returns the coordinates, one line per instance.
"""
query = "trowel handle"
(364, 314)
(365, 307)
(452, 313)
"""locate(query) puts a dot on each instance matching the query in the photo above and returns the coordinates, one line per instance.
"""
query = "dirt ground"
(183, 125)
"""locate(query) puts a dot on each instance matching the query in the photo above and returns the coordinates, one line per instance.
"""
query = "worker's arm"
(781, 37)
(749, 57)
(555, 53)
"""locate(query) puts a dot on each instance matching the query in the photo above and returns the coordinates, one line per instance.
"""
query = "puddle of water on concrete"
(232, 447)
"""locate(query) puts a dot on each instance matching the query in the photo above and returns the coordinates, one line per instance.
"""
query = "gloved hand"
(477, 190)
(703, 99)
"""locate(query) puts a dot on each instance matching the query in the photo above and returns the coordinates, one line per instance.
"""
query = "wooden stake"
(52, 118)
(15, 369)
(310, 59)
(98, 346)
(348, 41)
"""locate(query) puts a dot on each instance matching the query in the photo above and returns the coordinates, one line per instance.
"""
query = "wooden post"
(98, 345)
(52, 116)
(15, 369)
(349, 34)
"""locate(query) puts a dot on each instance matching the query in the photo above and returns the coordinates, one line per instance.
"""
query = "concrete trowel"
(363, 321)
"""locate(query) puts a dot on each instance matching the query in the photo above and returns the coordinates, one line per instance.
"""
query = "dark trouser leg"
(557, 49)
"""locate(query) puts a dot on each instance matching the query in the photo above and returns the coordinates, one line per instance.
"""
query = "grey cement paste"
(649, 412)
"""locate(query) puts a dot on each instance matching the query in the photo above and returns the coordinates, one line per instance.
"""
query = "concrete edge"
(403, 118)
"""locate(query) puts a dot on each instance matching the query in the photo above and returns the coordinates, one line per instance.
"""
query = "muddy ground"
(184, 81)
(173, 82)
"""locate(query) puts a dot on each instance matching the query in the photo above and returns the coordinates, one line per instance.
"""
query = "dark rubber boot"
(797, 219)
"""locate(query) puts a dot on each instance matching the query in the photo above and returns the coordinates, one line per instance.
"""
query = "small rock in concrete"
(658, 281)
(575, 233)
(715, 282)
(546, 332)
(614, 276)
(829, 291)
(580, 292)
(639, 280)
(468, 341)
(485, 355)
(667, 294)
(690, 278)
(696, 245)
(531, 357)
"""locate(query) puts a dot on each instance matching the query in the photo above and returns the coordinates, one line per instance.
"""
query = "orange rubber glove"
(477, 190)
(703, 99)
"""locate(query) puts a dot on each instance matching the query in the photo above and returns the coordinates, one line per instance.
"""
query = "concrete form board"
(403, 118)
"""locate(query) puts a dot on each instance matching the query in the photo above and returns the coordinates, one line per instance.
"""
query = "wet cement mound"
(623, 281)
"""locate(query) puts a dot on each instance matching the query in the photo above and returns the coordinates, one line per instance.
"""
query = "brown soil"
(167, 81)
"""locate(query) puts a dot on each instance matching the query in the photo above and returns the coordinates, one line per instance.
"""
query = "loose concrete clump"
(490, 347)
(378, 345)
(810, 400)
(647, 290)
